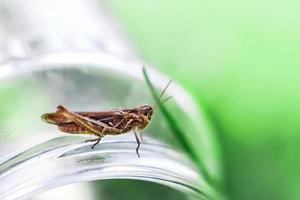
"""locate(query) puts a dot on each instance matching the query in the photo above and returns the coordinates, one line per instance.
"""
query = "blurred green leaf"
(241, 59)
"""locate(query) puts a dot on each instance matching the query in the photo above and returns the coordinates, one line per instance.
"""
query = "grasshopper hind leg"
(97, 140)
(138, 138)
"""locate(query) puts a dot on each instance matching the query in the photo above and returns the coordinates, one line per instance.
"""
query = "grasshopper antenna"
(164, 90)
(161, 102)
(157, 98)
(158, 103)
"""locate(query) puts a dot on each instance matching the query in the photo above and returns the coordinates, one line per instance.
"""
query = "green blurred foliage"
(241, 60)
(16, 108)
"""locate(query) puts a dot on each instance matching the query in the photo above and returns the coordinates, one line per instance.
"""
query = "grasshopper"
(102, 123)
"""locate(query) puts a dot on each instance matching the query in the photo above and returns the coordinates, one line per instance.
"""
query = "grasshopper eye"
(147, 110)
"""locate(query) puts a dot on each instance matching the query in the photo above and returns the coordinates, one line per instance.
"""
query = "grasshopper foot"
(93, 140)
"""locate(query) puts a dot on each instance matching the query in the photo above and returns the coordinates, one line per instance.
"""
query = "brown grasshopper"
(113, 122)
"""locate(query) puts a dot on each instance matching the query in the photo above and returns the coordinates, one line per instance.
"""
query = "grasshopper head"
(146, 111)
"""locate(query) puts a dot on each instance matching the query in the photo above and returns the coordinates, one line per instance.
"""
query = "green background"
(240, 59)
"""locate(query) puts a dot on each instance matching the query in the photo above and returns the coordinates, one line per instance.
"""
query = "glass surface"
(49, 158)
(81, 60)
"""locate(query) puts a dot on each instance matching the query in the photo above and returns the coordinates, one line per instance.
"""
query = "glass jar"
(81, 60)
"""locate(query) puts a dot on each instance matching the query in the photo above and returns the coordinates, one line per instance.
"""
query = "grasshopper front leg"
(138, 140)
